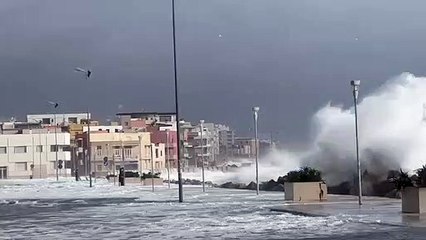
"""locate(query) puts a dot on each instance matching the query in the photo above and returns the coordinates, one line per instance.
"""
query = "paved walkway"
(382, 210)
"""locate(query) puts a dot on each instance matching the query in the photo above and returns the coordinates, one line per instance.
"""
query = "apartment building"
(245, 147)
(142, 120)
(169, 139)
(131, 150)
(32, 154)
(63, 119)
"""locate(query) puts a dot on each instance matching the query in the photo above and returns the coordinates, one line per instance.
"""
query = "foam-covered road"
(45, 209)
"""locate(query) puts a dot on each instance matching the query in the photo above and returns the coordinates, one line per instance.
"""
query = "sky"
(289, 57)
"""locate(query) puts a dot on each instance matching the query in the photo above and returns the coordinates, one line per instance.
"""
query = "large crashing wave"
(392, 132)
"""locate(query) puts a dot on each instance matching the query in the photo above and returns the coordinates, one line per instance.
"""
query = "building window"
(128, 151)
(3, 150)
(20, 149)
(98, 150)
(156, 153)
(45, 120)
(161, 153)
(21, 166)
(117, 151)
(99, 167)
(165, 118)
(54, 148)
(147, 151)
(72, 120)
(39, 148)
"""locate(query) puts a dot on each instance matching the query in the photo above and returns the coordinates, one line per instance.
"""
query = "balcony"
(204, 146)
(203, 155)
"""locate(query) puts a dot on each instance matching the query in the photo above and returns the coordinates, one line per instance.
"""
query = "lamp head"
(355, 83)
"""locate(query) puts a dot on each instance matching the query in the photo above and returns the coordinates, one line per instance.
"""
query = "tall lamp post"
(256, 143)
(355, 89)
(168, 158)
(176, 102)
(202, 153)
(55, 106)
(87, 74)
(152, 166)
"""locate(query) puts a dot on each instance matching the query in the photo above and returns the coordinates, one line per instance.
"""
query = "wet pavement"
(383, 210)
(72, 210)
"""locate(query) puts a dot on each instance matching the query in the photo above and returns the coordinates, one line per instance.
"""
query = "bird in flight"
(86, 72)
(54, 104)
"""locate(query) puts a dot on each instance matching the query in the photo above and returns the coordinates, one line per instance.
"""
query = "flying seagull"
(54, 104)
(86, 72)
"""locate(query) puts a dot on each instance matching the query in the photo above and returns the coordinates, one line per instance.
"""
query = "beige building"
(112, 150)
(33, 154)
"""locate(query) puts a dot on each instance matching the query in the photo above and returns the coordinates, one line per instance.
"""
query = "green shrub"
(401, 180)
(304, 174)
(420, 177)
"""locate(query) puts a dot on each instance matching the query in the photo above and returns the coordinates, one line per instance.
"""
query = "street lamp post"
(168, 158)
(256, 143)
(152, 166)
(87, 74)
(140, 154)
(123, 166)
(40, 147)
(55, 106)
(176, 101)
(202, 153)
(355, 89)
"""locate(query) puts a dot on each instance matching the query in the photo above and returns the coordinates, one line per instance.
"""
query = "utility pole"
(89, 148)
(87, 74)
(140, 155)
(176, 103)
(355, 90)
(256, 143)
(41, 149)
(202, 152)
(55, 106)
(168, 158)
(152, 166)
(122, 158)
(56, 149)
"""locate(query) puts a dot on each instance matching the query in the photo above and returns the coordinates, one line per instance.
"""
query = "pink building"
(158, 136)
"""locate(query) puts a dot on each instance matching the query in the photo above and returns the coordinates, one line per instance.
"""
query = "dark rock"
(227, 185)
(393, 194)
(278, 188)
(343, 188)
(381, 188)
(251, 186)
(280, 180)
(268, 186)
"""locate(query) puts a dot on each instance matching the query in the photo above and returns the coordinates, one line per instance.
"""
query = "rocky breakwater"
(270, 185)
